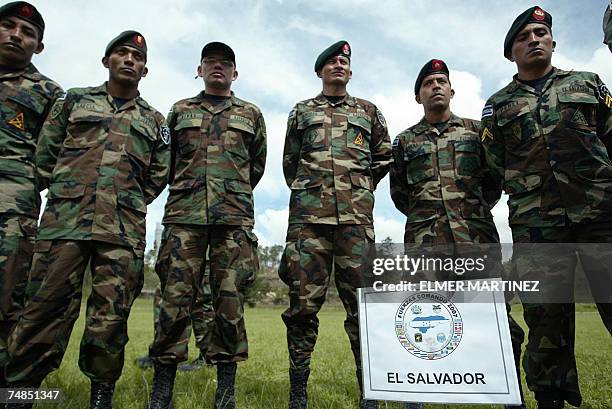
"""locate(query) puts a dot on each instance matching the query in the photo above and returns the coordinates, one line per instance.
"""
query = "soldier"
(437, 180)
(26, 96)
(337, 149)
(607, 26)
(219, 154)
(547, 139)
(104, 158)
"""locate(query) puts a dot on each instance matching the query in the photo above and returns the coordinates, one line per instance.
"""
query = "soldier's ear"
(199, 71)
(452, 92)
(235, 75)
(105, 61)
(554, 45)
(145, 71)
(350, 74)
(417, 98)
(39, 49)
(319, 73)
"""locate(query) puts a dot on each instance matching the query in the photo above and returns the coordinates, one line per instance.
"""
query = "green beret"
(340, 48)
(130, 38)
(607, 27)
(533, 14)
(217, 47)
(432, 67)
(24, 11)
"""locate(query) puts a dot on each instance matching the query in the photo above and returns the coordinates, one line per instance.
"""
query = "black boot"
(101, 396)
(226, 378)
(194, 365)
(298, 397)
(413, 405)
(163, 384)
(549, 400)
(144, 362)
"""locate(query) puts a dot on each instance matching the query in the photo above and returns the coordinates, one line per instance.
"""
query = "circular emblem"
(539, 14)
(346, 49)
(26, 11)
(428, 326)
(437, 65)
(138, 40)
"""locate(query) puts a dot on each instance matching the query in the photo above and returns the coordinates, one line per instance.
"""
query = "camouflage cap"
(130, 38)
(340, 48)
(24, 11)
(607, 26)
(432, 67)
(533, 14)
(220, 48)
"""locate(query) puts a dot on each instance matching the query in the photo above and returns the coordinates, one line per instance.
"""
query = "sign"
(437, 348)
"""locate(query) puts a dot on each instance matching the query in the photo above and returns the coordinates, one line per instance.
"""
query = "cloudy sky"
(277, 42)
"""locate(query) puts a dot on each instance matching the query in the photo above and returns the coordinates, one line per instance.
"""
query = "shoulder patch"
(487, 111)
(396, 141)
(381, 118)
(604, 95)
(486, 134)
(56, 110)
(164, 133)
(292, 113)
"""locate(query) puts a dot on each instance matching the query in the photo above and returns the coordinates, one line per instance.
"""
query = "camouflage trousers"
(312, 252)
(17, 235)
(202, 313)
(549, 360)
(40, 338)
(232, 251)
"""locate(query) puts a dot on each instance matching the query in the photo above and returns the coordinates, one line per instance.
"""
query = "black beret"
(340, 48)
(24, 11)
(533, 14)
(432, 67)
(217, 47)
(130, 38)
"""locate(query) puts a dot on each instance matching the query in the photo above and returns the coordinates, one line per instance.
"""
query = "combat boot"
(194, 365)
(551, 404)
(413, 405)
(101, 396)
(144, 362)
(368, 404)
(163, 384)
(298, 396)
(19, 405)
(226, 379)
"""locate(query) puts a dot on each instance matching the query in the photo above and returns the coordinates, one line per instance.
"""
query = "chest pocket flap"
(360, 122)
(512, 114)
(577, 98)
(310, 119)
(242, 124)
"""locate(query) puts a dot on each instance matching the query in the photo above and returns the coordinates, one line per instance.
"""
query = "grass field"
(263, 382)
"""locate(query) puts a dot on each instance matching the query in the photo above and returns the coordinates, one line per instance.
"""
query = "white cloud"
(271, 226)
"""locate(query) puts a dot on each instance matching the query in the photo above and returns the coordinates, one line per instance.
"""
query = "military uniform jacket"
(26, 97)
(219, 157)
(548, 150)
(103, 166)
(334, 156)
(438, 173)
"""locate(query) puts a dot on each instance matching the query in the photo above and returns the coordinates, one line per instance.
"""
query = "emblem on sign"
(432, 333)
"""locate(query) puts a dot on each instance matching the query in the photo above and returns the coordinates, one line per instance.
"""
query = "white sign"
(425, 347)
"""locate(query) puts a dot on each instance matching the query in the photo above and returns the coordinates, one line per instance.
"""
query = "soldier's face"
(126, 65)
(218, 71)
(435, 92)
(533, 46)
(19, 41)
(336, 71)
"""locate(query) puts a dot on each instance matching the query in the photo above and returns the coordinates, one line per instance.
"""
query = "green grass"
(263, 382)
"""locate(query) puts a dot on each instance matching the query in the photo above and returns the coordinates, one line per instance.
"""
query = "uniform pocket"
(419, 163)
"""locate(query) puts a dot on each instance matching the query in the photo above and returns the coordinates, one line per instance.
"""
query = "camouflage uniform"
(102, 166)
(26, 97)
(219, 157)
(335, 155)
(549, 151)
(437, 181)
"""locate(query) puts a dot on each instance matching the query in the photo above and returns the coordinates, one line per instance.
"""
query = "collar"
(321, 100)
